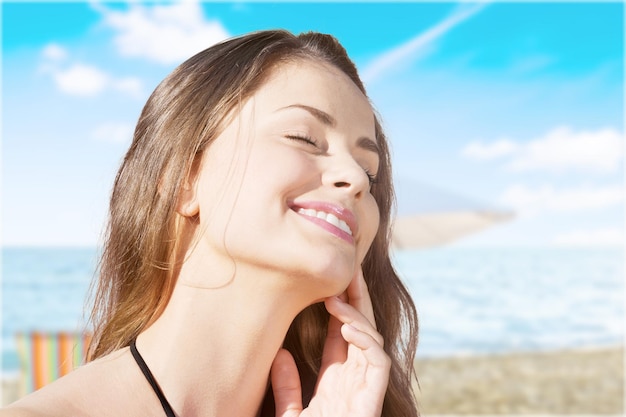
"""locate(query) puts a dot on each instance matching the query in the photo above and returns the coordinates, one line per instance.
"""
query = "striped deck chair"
(45, 357)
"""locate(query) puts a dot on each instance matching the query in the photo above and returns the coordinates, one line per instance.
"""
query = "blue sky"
(512, 105)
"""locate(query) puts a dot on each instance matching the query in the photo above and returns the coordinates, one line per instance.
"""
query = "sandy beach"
(589, 381)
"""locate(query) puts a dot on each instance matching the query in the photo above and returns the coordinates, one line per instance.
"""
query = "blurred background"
(506, 123)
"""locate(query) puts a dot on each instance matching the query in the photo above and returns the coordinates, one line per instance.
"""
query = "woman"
(247, 222)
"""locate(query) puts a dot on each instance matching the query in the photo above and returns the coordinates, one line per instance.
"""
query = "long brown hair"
(180, 119)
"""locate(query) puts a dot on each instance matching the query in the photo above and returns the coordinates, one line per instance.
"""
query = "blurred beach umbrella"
(428, 216)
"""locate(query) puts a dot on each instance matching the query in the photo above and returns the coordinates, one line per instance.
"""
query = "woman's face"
(286, 185)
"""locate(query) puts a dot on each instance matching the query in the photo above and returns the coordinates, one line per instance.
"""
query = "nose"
(344, 173)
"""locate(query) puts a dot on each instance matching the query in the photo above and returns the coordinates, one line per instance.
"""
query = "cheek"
(280, 170)
(272, 176)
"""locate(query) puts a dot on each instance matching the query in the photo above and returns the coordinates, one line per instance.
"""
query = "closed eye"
(303, 138)
(371, 177)
(310, 141)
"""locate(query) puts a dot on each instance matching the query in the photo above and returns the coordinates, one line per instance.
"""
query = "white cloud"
(89, 81)
(81, 80)
(166, 34)
(53, 55)
(419, 43)
(531, 201)
(54, 52)
(559, 150)
(480, 151)
(595, 237)
(562, 149)
(114, 132)
(84, 80)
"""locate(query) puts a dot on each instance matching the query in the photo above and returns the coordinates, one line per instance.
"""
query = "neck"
(212, 348)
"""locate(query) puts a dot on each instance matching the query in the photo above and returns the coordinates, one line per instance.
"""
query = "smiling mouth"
(327, 217)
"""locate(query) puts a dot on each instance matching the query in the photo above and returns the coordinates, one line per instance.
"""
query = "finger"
(286, 385)
(359, 296)
(344, 296)
(363, 343)
(346, 313)
(335, 346)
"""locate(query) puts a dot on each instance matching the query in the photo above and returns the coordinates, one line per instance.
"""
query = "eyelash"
(371, 177)
(302, 138)
(309, 140)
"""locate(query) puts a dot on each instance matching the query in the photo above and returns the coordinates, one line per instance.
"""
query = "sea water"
(43, 289)
(469, 300)
(477, 301)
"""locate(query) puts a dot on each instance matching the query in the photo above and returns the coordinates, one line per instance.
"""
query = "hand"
(355, 369)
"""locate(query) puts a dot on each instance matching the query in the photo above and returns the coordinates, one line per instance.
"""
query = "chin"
(326, 279)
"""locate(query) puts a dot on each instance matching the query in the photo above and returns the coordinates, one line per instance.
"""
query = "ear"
(187, 204)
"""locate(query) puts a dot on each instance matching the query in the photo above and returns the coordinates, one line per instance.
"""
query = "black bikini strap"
(146, 372)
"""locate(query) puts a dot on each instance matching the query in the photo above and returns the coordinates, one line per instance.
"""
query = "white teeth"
(330, 218)
(344, 226)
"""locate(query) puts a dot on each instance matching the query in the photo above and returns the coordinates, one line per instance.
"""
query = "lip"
(342, 213)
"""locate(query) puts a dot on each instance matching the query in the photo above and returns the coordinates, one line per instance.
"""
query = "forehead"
(319, 86)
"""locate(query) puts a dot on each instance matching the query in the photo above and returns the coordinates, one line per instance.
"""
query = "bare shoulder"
(20, 411)
(85, 392)
(54, 400)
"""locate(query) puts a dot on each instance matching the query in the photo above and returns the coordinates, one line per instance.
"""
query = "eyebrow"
(363, 142)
